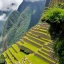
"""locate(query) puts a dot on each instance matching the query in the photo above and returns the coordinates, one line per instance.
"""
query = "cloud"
(6, 5)
(3, 17)
(34, 0)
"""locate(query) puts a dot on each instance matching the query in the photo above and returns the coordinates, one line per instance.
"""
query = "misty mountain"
(2, 22)
(36, 6)
(1, 26)
(10, 21)
(18, 24)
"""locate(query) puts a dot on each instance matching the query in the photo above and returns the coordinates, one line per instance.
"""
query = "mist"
(34, 0)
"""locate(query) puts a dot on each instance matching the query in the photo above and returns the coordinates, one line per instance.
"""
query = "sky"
(7, 5)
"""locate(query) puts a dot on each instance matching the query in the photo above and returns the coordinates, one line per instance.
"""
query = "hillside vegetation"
(10, 21)
(35, 45)
(55, 18)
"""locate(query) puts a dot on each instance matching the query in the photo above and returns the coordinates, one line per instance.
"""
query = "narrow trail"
(5, 43)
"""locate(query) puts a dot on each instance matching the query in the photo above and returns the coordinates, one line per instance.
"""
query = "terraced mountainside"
(34, 48)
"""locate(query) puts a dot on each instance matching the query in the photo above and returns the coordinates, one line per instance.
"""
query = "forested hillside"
(10, 21)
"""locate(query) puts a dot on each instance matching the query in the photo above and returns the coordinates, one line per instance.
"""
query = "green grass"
(44, 53)
(47, 34)
(36, 60)
(10, 56)
(16, 47)
(8, 61)
(38, 39)
(4, 54)
(34, 35)
(49, 60)
(16, 55)
(29, 46)
(33, 43)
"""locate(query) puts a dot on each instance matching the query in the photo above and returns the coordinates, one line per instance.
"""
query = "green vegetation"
(59, 49)
(2, 61)
(53, 15)
(35, 45)
(61, 5)
(55, 18)
(20, 27)
(10, 21)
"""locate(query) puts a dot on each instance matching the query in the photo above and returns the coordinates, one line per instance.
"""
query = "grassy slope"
(18, 29)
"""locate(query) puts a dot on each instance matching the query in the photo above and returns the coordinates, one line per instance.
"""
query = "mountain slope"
(20, 27)
(37, 7)
(10, 21)
(47, 3)
(36, 47)
(1, 26)
(2, 20)
(30, 15)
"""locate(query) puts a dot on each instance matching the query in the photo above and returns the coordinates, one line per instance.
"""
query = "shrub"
(55, 18)
(53, 15)
(61, 5)
(59, 50)
(2, 59)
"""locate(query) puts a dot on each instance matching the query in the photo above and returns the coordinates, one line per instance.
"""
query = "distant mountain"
(37, 7)
(20, 27)
(1, 26)
(18, 24)
(2, 22)
(47, 3)
(5, 12)
(10, 22)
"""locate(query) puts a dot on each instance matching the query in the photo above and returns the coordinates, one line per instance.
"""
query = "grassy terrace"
(7, 59)
(16, 48)
(37, 43)
(29, 46)
(37, 39)
(34, 58)
(34, 35)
